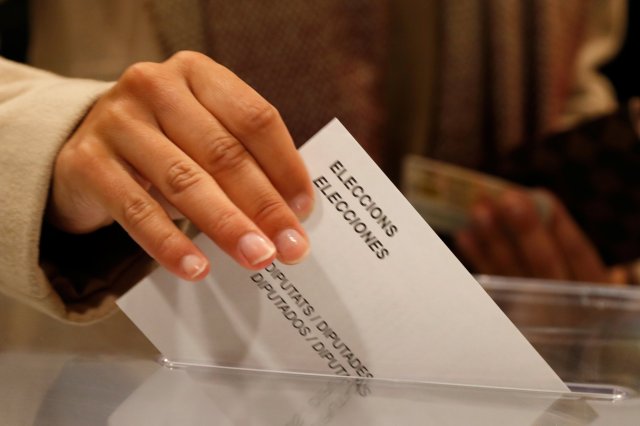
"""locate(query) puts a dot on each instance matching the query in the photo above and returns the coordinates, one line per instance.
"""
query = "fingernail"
(292, 247)
(255, 248)
(193, 265)
(301, 205)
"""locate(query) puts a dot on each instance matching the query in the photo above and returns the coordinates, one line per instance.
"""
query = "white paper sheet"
(390, 301)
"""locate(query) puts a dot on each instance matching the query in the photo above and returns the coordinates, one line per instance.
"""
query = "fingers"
(508, 236)
(472, 251)
(488, 247)
(197, 195)
(539, 250)
(256, 181)
(254, 122)
(236, 172)
(205, 143)
(141, 216)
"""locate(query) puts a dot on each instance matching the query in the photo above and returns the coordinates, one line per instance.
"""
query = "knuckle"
(182, 176)
(188, 58)
(83, 159)
(166, 243)
(80, 154)
(143, 76)
(140, 71)
(116, 116)
(225, 153)
(258, 116)
(150, 84)
(550, 201)
(137, 210)
(224, 224)
(269, 208)
(544, 192)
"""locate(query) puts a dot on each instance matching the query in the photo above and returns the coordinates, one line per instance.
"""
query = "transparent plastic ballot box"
(589, 334)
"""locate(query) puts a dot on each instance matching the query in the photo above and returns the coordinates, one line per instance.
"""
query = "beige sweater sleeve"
(74, 278)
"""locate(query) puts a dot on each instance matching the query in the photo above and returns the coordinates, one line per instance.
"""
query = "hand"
(214, 149)
(509, 237)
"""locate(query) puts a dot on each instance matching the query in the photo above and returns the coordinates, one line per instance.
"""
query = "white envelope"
(380, 295)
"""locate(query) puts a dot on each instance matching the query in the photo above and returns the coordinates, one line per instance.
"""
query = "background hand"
(509, 237)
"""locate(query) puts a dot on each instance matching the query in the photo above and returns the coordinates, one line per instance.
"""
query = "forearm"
(38, 112)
